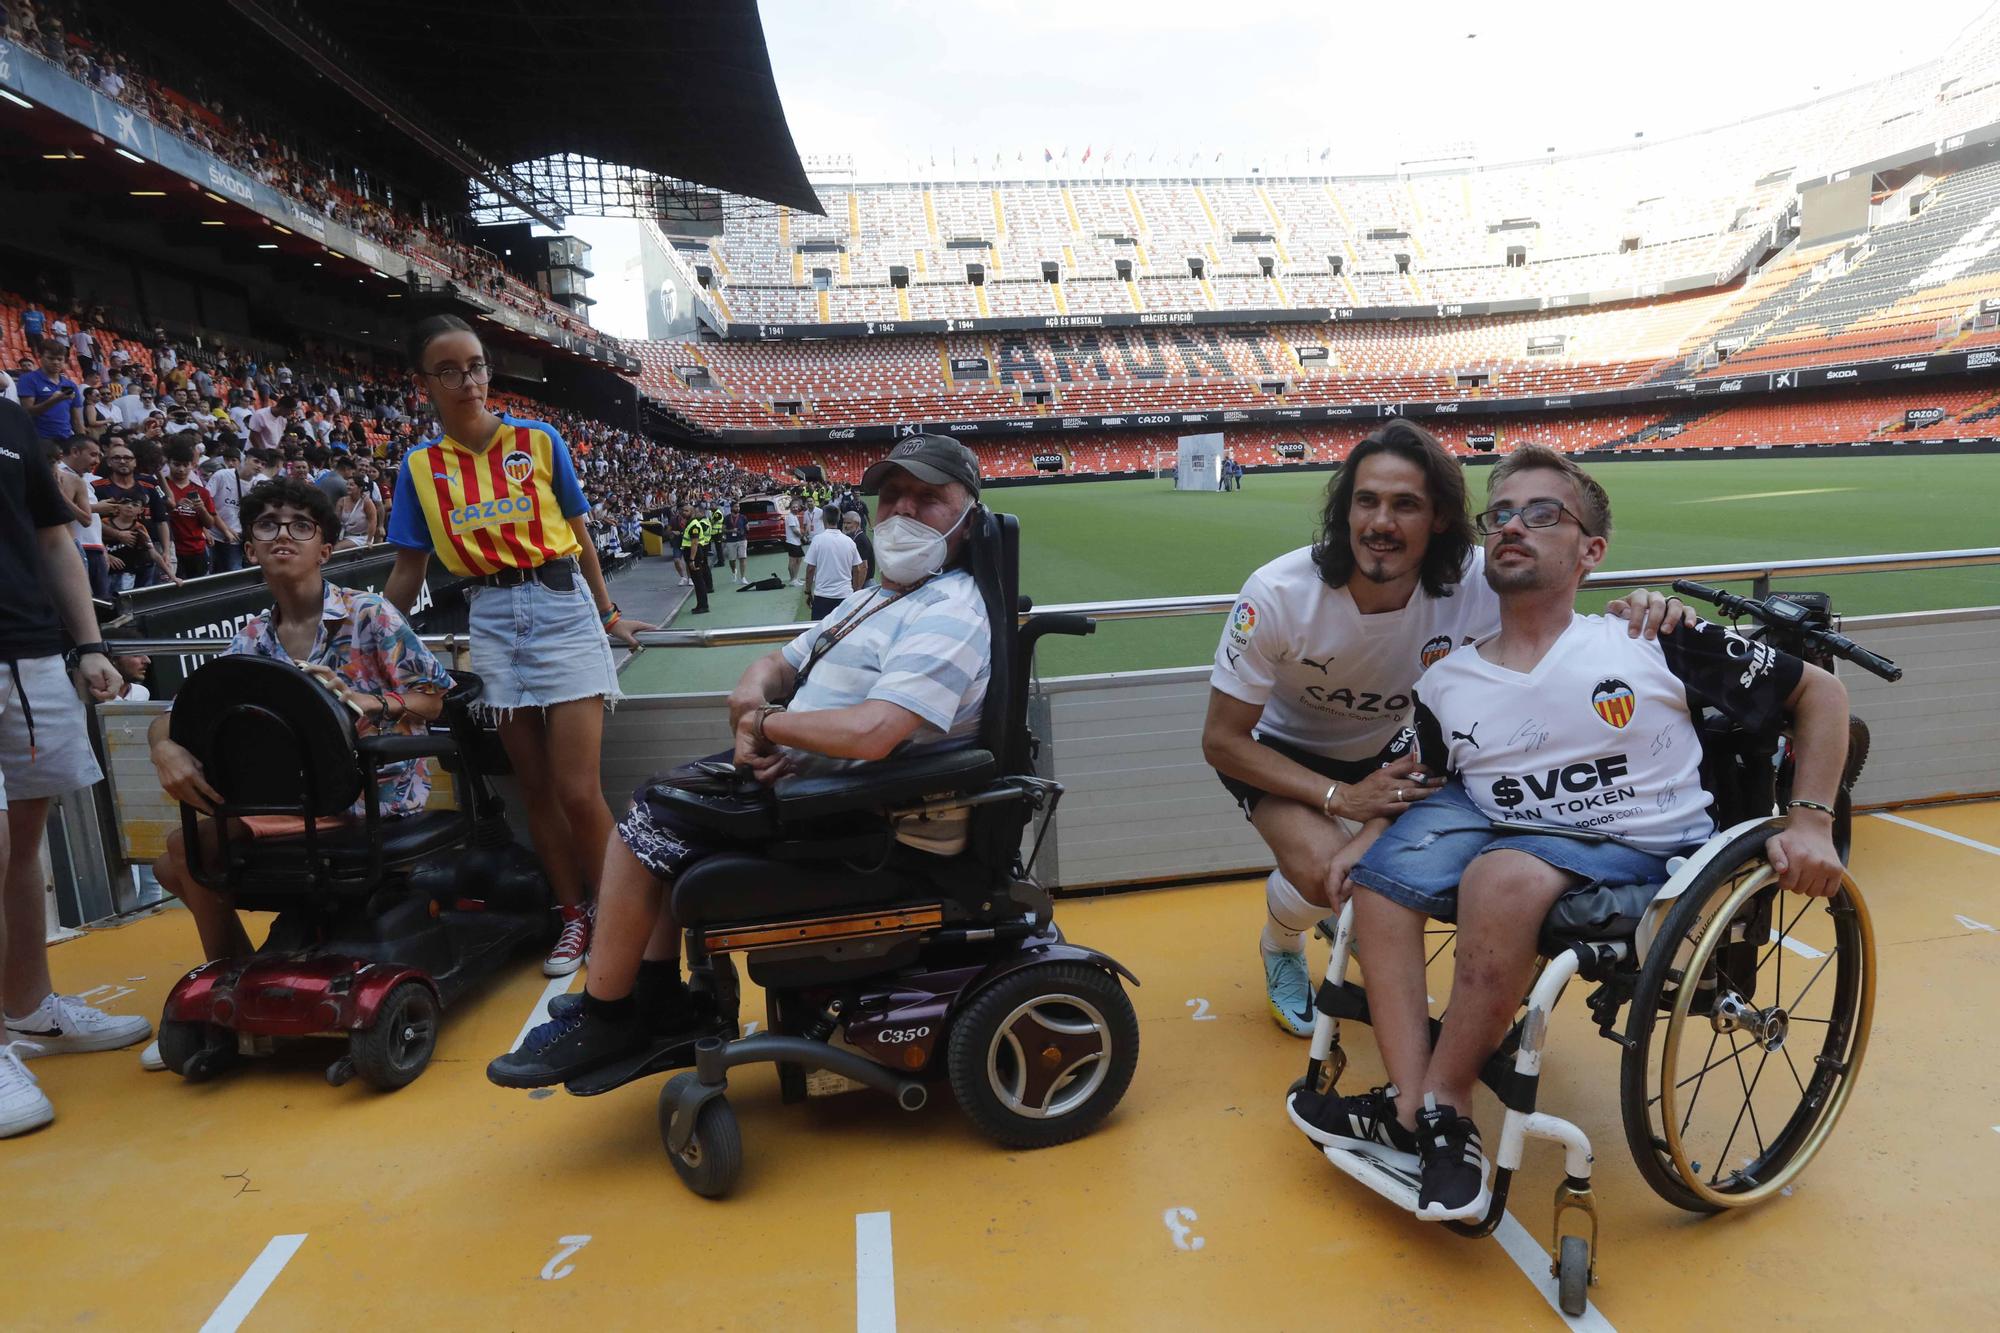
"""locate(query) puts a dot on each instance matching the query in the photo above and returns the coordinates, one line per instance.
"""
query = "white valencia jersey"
(1600, 734)
(1331, 680)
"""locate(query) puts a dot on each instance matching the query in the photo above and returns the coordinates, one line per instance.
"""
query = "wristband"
(757, 727)
(609, 618)
(83, 650)
(1326, 801)
(1808, 805)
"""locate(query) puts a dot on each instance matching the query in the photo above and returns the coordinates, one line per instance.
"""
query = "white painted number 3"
(1201, 1014)
(570, 1245)
(1177, 1220)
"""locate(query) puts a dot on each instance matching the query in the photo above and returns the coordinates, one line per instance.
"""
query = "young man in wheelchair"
(892, 669)
(1556, 721)
(1313, 675)
(353, 641)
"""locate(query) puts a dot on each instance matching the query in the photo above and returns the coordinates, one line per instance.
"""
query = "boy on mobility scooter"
(299, 758)
(1566, 728)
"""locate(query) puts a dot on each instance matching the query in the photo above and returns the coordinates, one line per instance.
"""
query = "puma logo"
(1233, 656)
(1320, 666)
(1466, 736)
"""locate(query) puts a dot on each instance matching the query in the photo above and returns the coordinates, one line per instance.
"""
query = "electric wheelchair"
(884, 965)
(381, 924)
(1691, 981)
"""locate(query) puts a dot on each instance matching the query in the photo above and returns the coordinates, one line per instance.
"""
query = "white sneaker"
(23, 1104)
(798, 583)
(63, 1023)
(149, 1059)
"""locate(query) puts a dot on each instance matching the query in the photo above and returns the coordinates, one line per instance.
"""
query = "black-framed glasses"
(454, 378)
(1534, 514)
(298, 528)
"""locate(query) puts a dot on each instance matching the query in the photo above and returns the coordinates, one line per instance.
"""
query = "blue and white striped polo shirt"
(929, 651)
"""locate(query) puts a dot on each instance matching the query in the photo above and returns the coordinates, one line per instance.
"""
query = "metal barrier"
(1148, 608)
(1141, 803)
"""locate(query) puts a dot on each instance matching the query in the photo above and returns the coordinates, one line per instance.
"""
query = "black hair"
(427, 330)
(300, 495)
(179, 451)
(1444, 481)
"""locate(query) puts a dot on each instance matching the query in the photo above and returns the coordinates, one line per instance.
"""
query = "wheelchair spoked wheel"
(713, 1158)
(396, 1047)
(1044, 1054)
(1748, 1026)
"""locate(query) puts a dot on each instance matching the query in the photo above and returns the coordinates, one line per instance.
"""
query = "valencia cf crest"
(1614, 701)
(519, 466)
(1435, 650)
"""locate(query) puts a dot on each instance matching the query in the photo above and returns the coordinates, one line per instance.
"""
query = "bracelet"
(1808, 805)
(757, 727)
(1326, 801)
(609, 618)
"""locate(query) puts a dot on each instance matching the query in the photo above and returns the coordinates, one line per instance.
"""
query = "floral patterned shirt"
(366, 641)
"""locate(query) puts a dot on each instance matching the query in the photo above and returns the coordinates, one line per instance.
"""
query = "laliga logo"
(1244, 622)
(518, 466)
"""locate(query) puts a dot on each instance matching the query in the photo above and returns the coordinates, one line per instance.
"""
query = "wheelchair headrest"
(994, 555)
(268, 735)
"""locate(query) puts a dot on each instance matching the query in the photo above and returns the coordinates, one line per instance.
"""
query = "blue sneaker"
(1289, 988)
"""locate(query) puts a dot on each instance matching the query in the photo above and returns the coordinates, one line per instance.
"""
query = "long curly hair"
(1444, 481)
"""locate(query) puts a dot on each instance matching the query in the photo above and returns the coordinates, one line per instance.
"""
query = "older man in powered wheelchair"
(860, 850)
(1574, 837)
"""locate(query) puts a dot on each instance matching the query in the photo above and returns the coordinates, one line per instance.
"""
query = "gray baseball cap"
(936, 459)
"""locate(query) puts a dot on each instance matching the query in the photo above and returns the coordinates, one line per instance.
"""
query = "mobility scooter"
(382, 923)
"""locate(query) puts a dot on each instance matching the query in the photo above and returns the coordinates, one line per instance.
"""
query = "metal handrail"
(1154, 608)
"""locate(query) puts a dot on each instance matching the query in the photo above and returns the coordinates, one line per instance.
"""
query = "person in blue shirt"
(33, 323)
(51, 396)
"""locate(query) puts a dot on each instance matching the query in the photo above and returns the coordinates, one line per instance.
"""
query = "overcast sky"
(896, 84)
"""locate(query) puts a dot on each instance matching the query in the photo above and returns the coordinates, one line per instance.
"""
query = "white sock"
(1291, 916)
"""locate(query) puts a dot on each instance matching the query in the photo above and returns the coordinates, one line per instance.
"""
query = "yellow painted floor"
(454, 1204)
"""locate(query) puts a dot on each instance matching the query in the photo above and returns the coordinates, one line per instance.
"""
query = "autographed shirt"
(1600, 734)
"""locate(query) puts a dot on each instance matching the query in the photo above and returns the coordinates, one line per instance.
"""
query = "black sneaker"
(1361, 1123)
(663, 1010)
(1454, 1183)
(562, 1048)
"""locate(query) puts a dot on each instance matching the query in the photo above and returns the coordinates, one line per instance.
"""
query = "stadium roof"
(679, 90)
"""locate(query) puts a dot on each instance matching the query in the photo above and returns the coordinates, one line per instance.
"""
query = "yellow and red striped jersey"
(506, 506)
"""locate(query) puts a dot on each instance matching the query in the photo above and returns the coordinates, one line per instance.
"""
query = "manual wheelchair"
(1690, 981)
(886, 966)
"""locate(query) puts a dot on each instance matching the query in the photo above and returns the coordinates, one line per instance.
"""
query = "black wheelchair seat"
(1596, 914)
(347, 849)
(740, 886)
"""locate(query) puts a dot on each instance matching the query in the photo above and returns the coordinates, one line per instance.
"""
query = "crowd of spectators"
(330, 418)
(70, 34)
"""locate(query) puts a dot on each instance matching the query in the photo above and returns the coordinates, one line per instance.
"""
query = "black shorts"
(792, 548)
(1334, 770)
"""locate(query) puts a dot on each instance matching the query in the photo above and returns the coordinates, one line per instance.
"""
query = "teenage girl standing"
(496, 498)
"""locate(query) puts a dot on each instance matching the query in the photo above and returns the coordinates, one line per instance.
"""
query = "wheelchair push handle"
(1784, 616)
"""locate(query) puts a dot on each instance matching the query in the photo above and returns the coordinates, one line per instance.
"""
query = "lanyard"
(830, 637)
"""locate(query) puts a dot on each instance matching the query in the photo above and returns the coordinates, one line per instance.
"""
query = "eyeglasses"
(299, 529)
(454, 378)
(1534, 514)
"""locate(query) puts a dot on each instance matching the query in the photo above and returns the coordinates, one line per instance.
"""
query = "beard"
(1524, 576)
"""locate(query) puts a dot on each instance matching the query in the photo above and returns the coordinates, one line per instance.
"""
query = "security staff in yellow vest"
(701, 530)
(496, 499)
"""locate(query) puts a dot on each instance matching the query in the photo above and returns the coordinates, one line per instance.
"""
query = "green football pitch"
(1108, 540)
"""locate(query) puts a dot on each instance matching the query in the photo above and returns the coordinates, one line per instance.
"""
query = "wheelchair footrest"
(676, 1052)
(1393, 1175)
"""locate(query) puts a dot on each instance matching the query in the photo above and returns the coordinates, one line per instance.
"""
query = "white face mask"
(909, 551)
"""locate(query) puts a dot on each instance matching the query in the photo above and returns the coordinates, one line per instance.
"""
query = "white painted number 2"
(1177, 1220)
(1201, 1014)
(570, 1245)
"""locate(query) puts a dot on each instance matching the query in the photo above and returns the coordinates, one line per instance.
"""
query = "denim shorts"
(1420, 859)
(534, 647)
